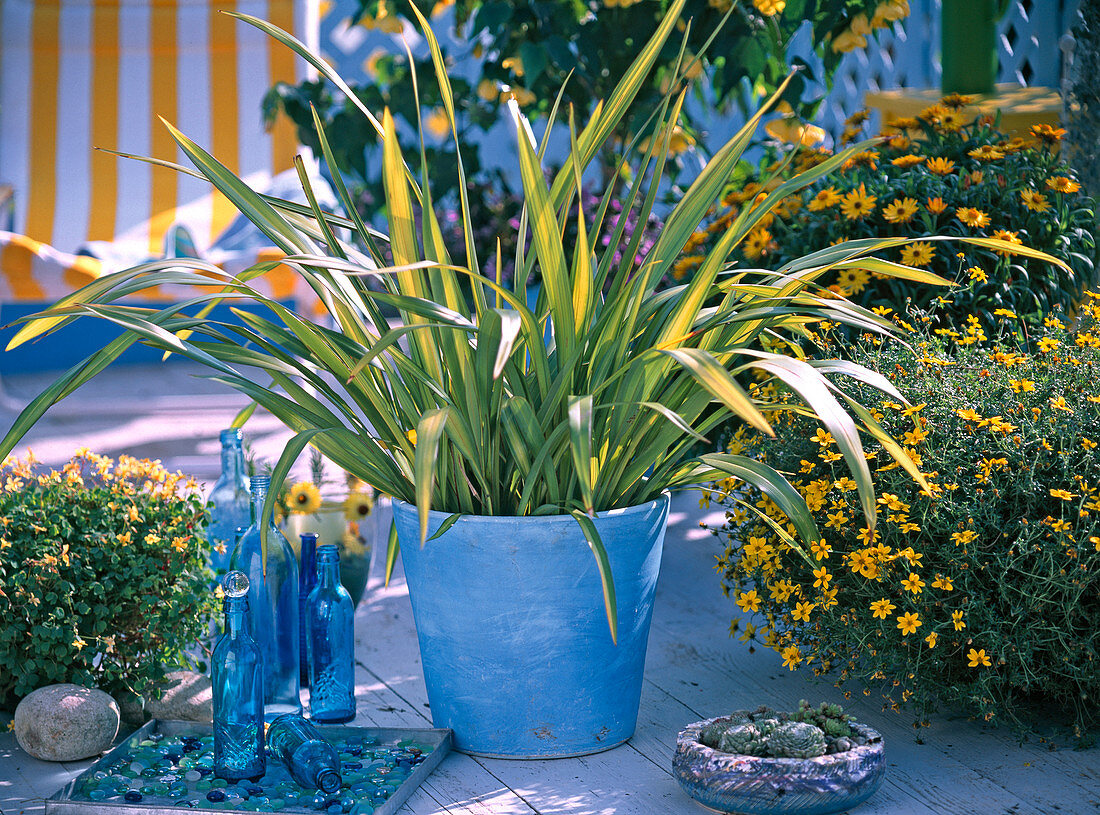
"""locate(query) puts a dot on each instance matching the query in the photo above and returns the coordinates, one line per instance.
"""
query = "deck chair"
(81, 74)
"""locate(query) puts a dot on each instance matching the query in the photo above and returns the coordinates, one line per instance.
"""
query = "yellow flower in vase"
(358, 506)
(304, 498)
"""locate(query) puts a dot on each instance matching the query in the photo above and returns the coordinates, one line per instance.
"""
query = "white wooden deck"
(694, 670)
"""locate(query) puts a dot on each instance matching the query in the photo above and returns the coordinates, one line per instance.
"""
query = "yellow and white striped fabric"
(81, 74)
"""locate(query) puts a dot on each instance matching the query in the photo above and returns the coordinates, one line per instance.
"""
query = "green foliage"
(941, 174)
(590, 401)
(805, 733)
(103, 580)
(527, 50)
(981, 592)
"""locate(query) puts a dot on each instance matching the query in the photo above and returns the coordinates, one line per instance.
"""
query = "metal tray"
(63, 803)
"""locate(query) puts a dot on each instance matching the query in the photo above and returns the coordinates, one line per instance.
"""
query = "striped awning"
(81, 74)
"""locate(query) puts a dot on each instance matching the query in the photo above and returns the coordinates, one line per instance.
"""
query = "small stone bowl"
(750, 785)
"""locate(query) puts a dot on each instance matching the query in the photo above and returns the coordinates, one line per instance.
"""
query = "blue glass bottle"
(311, 760)
(230, 502)
(307, 579)
(273, 601)
(330, 631)
(237, 675)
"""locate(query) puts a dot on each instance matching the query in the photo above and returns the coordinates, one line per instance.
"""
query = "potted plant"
(814, 761)
(541, 443)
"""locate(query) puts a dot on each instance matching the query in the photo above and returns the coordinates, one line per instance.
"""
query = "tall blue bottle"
(330, 617)
(307, 579)
(273, 600)
(230, 500)
(311, 760)
(237, 674)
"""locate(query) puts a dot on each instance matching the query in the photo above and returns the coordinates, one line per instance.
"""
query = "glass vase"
(237, 675)
(330, 640)
(273, 601)
(230, 505)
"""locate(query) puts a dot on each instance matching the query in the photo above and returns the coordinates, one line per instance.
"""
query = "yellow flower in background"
(964, 537)
(1008, 237)
(522, 96)
(853, 281)
(913, 583)
(822, 578)
(513, 64)
(1048, 134)
(78, 643)
(957, 620)
(907, 161)
(822, 437)
(370, 64)
(437, 124)
(792, 130)
(987, 152)
(978, 658)
(882, 608)
(932, 639)
(1035, 201)
(821, 549)
(1059, 403)
(769, 8)
(802, 611)
(358, 505)
(909, 622)
(1064, 495)
(791, 656)
(304, 498)
(848, 41)
(972, 216)
(487, 89)
(900, 211)
(857, 204)
(918, 254)
(411, 436)
(977, 274)
(1048, 344)
(1062, 184)
(825, 199)
(940, 166)
(936, 205)
(756, 243)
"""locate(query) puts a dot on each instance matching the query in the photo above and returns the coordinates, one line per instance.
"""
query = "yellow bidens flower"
(1064, 495)
(825, 199)
(1021, 385)
(978, 658)
(802, 611)
(957, 620)
(749, 600)
(857, 204)
(909, 622)
(304, 497)
(848, 41)
(932, 639)
(977, 274)
(907, 161)
(882, 608)
(791, 656)
(913, 583)
(1008, 237)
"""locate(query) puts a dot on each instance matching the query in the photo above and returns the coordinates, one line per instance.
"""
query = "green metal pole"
(969, 39)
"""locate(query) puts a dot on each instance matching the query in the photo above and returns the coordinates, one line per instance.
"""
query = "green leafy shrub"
(941, 174)
(103, 579)
(981, 591)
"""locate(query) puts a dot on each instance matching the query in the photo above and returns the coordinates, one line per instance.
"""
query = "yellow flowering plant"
(103, 577)
(981, 592)
(944, 173)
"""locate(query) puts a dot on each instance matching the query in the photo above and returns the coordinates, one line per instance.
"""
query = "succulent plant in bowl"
(814, 761)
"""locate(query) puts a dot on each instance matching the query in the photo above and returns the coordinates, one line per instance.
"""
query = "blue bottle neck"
(232, 457)
(328, 567)
(236, 617)
(260, 486)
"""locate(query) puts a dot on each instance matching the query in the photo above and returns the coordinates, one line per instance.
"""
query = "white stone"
(185, 696)
(66, 722)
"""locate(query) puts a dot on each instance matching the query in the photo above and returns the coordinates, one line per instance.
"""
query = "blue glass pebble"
(215, 795)
(133, 796)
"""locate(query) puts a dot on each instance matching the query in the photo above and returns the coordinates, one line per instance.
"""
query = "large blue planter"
(517, 655)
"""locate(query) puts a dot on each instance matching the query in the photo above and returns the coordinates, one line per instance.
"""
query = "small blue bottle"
(311, 760)
(230, 502)
(330, 626)
(273, 604)
(307, 579)
(237, 674)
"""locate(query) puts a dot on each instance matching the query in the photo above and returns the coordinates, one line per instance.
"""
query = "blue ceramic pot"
(517, 655)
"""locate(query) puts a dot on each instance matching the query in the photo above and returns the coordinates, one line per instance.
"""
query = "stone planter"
(778, 786)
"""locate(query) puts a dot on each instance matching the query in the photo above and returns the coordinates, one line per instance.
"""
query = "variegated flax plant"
(472, 403)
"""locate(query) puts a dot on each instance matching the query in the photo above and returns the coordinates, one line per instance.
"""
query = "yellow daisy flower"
(978, 658)
(304, 498)
(940, 166)
(972, 216)
(900, 211)
(1062, 184)
(358, 505)
(918, 254)
(909, 622)
(907, 161)
(987, 152)
(858, 204)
